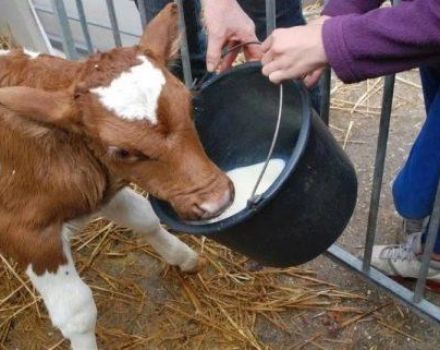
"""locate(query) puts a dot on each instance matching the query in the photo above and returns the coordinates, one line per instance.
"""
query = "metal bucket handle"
(254, 198)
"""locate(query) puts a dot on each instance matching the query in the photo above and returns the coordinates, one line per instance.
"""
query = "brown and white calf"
(72, 136)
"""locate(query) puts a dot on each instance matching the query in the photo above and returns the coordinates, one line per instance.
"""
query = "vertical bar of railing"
(142, 4)
(428, 249)
(271, 18)
(325, 85)
(114, 22)
(324, 89)
(379, 165)
(85, 28)
(66, 33)
(184, 49)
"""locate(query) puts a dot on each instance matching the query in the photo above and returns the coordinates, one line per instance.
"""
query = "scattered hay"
(6, 41)
(364, 100)
(312, 8)
(223, 307)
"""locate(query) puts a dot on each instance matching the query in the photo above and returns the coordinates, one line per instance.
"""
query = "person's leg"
(415, 186)
(431, 84)
(195, 34)
(430, 77)
(431, 89)
(414, 191)
(288, 14)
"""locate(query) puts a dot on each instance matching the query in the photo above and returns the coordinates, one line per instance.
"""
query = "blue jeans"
(288, 13)
(415, 186)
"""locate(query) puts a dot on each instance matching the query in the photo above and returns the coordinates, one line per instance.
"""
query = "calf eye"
(122, 154)
(126, 155)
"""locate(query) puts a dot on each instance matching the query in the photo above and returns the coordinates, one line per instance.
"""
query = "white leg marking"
(68, 300)
(131, 210)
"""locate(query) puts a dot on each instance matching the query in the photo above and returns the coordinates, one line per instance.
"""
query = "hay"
(6, 41)
(221, 307)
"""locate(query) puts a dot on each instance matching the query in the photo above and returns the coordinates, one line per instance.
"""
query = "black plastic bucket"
(308, 206)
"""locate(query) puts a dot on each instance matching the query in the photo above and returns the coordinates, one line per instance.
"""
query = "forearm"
(383, 41)
(345, 7)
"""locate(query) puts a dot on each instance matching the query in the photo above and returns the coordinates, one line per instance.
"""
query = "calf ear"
(51, 107)
(162, 35)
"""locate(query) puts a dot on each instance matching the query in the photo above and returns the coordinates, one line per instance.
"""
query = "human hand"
(295, 53)
(311, 79)
(228, 25)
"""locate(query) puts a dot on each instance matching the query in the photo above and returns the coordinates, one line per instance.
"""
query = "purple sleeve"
(345, 7)
(383, 41)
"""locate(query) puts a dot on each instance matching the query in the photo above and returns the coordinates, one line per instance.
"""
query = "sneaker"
(402, 261)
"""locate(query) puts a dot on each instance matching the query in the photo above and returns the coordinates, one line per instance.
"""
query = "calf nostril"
(216, 207)
(198, 212)
(231, 192)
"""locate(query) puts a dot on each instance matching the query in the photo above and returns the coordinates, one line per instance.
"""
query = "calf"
(73, 135)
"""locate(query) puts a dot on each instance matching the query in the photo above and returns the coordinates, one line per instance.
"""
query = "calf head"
(137, 118)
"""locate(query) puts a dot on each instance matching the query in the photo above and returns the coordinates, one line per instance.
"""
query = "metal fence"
(413, 299)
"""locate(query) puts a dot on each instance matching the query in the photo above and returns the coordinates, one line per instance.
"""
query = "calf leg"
(131, 210)
(69, 301)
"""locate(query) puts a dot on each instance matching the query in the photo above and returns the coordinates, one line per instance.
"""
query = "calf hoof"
(196, 265)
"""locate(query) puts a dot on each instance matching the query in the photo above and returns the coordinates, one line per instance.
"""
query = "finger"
(267, 58)
(281, 75)
(253, 52)
(267, 44)
(214, 51)
(276, 77)
(273, 66)
(227, 60)
(312, 79)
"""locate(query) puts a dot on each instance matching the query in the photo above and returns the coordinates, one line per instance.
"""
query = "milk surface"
(244, 180)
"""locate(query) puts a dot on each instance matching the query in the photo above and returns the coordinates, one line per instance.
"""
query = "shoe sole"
(432, 286)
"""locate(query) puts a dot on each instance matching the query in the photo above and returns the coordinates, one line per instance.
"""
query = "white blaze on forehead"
(134, 94)
(4, 52)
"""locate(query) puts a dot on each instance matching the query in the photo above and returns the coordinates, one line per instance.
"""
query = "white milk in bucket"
(244, 180)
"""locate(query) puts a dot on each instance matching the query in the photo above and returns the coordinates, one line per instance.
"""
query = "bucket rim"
(248, 212)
